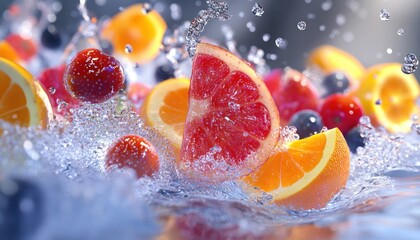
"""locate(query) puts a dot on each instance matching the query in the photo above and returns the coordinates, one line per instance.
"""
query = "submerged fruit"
(140, 28)
(22, 100)
(134, 152)
(93, 76)
(308, 173)
(389, 96)
(232, 120)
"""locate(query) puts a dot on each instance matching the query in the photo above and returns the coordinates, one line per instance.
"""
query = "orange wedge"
(22, 100)
(308, 173)
(142, 31)
(388, 96)
(166, 107)
(330, 59)
(232, 122)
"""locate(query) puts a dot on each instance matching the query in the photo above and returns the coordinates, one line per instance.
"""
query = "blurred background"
(352, 25)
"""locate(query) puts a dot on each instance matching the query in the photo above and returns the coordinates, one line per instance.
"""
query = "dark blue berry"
(307, 123)
(354, 139)
(21, 208)
(336, 82)
(164, 72)
(51, 38)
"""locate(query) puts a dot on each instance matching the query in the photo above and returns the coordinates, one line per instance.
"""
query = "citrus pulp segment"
(22, 99)
(308, 173)
(232, 120)
(166, 107)
(389, 96)
(138, 29)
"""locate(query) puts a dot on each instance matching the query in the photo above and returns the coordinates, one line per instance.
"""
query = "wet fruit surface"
(307, 123)
(93, 76)
(134, 152)
(341, 111)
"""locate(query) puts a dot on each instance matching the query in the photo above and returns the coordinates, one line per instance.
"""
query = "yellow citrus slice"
(22, 99)
(330, 59)
(166, 107)
(142, 31)
(308, 173)
(232, 121)
(389, 96)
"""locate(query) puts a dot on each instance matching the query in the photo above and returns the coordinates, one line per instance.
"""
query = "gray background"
(371, 36)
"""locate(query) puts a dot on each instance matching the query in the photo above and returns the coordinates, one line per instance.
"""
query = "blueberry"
(164, 72)
(21, 205)
(307, 123)
(336, 82)
(51, 38)
(354, 139)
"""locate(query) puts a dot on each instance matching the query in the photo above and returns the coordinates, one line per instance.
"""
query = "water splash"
(215, 10)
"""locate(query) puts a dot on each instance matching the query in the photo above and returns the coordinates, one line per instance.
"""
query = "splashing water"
(215, 10)
(410, 64)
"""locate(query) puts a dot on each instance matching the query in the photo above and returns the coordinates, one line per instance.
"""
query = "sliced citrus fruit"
(136, 28)
(330, 59)
(388, 96)
(308, 173)
(22, 100)
(232, 122)
(8, 52)
(166, 107)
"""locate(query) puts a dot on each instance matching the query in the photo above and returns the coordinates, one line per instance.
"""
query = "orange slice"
(330, 59)
(22, 100)
(8, 52)
(308, 173)
(232, 122)
(166, 107)
(396, 92)
(142, 31)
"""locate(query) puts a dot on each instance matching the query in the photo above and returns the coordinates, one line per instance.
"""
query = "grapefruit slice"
(22, 100)
(232, 121)
(308, 173)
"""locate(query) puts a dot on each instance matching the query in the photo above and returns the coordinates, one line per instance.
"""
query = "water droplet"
(121, 9)
(308, 1)
(257, 10)
(384, 15)
(281, 43)
(241, 14)
(378, 102)
(400, 32)
(266, 37)
(389, 50)
(301, 25)
(251, 26)
(100, 2)
(340, 19)
(146, 8)
(311, 16)
(271, 56)
(176, 11)
(410, 64)
(348, 37)
(327, 5)
(52, 90)
(128, 48)
(322, 28)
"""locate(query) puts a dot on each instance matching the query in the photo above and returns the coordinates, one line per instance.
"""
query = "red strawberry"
(342, 111)
(134, 152)
(93, 76)
(51, 80)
